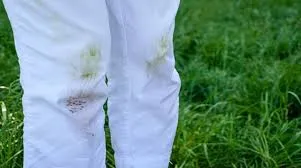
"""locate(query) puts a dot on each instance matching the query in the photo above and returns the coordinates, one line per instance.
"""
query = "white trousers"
(76, 54)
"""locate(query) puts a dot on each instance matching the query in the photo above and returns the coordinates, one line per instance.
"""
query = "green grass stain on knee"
(93, 52)
(161, 55)
(88, 75)
(90, 63)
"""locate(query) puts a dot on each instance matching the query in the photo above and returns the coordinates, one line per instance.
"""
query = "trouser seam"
(126, 64)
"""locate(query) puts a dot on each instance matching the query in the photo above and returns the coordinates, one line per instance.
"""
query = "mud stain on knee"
(76, 104)
(80, 102)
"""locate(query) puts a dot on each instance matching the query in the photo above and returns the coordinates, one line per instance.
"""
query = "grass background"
(240, 63)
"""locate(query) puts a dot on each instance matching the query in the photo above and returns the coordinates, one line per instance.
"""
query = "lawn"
(240, 64)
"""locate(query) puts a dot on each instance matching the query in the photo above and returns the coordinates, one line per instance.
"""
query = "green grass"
(240, 63)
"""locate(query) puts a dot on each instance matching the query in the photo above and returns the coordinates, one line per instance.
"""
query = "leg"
(63, 49)
(143, 82)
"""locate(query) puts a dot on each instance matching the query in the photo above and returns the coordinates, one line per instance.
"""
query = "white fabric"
(66, 50)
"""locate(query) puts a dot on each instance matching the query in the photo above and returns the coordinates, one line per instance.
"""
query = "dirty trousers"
(76, 54)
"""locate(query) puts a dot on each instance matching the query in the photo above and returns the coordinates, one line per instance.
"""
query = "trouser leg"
(143, 82)
(63, 48)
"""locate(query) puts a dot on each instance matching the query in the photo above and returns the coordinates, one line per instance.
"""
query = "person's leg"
(63, 48)
(143, 82)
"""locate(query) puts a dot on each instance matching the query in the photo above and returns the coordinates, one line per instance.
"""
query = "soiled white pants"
(67, 49)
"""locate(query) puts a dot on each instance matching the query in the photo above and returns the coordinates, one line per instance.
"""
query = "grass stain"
(162, 53)
(90, 63)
